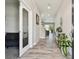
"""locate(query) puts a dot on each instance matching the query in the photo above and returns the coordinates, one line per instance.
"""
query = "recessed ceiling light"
(49, 7)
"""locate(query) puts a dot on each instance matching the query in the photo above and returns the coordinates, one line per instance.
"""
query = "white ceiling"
(43, 6)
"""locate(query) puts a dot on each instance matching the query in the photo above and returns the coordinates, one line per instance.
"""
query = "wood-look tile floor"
(45, 49)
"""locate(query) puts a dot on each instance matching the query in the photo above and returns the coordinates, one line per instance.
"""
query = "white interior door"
(24, 39)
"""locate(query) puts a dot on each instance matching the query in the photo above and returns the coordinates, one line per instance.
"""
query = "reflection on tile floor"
(45, 49)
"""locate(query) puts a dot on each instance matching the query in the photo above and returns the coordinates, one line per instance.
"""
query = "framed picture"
(37, 19)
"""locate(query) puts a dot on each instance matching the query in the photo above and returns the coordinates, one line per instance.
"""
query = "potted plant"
(64, 43)
(58, 32)
(59, 29)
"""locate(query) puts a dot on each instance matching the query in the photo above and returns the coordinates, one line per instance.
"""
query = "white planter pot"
(70, 51)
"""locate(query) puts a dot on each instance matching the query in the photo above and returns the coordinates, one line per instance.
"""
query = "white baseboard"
(24, 50)
(36, 43)
(42, 37)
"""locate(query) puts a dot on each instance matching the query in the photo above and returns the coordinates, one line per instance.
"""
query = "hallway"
(31, 19)
(44, 50)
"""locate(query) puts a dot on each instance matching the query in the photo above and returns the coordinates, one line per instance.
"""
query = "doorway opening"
(25, 27)
(12, 29)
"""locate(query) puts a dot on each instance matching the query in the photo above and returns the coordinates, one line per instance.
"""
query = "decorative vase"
(70, 51)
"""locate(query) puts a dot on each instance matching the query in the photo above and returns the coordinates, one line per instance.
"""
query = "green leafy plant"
(64, 43)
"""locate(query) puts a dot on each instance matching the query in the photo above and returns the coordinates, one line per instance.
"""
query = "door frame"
(21, 49)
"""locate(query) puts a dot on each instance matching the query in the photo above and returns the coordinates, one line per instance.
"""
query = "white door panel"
(24, 33)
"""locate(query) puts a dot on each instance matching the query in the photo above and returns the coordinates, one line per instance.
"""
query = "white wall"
(42, 29)
(11, 16)
(65, 12)
(42, 32)
(34, 29)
